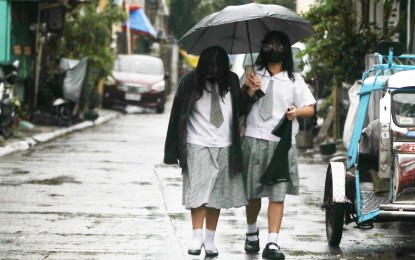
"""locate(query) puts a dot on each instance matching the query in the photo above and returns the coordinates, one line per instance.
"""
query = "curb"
(29, 142)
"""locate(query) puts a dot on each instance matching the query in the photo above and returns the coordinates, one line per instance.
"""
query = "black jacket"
(175, 151)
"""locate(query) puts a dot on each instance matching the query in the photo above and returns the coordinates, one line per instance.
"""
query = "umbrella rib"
(234, 33)
(198, 38)
(249, 42)
(266, 26)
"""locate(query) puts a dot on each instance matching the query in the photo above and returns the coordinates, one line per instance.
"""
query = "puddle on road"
(44, 205)
(309, 238)
(6, 241)
(307, 255)
(150, 208)
(140, 183)
(55, 195)
(177, 216)
(55, 181)
(19, 172)
(9, 184)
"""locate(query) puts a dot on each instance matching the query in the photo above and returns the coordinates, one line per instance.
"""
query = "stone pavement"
(25, 138)
(117, 231)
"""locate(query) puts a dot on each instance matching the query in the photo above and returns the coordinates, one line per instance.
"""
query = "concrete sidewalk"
(25, 138)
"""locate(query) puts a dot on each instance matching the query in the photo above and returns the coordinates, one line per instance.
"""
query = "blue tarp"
(139, 22)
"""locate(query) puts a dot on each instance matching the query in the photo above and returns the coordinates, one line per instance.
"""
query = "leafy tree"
(181, 16)
(287, 3)
(87, 33)
(338, 49)
(343, 38)
(208, 7)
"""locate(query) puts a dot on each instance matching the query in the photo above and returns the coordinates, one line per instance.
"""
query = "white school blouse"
(200, 130)
(285, 93)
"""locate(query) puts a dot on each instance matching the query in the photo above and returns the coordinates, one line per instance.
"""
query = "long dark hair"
(287, 62)
(213, 61)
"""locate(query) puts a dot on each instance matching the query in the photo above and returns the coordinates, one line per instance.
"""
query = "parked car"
(136, 80)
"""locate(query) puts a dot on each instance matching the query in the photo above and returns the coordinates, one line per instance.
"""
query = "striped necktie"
(266, 107)
(216, 117)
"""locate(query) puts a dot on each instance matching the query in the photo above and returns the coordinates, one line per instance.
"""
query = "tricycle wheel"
(334, 213)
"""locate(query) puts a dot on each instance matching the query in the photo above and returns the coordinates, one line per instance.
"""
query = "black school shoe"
(210, 253)
(194, 251)
(252, 247)
(272, 253)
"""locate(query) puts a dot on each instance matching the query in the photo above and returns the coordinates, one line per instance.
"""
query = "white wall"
(304, 5)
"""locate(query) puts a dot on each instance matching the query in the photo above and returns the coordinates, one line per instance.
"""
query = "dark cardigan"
(175, 151)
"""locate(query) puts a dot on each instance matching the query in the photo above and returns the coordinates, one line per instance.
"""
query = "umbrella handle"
(249, 41)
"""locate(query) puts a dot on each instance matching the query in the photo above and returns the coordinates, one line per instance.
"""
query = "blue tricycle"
(377, 182)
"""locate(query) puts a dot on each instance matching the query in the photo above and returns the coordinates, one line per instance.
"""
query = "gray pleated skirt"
(208, 180)
(257, 154)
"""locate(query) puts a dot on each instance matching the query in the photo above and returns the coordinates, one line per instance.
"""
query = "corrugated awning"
(139, 23)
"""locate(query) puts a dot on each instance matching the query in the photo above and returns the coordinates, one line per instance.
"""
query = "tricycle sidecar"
(377, 182)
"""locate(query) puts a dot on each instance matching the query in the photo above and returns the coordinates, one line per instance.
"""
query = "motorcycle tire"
(64, 112)
(7, 131)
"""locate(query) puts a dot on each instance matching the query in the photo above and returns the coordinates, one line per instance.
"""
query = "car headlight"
(123, 87)
(159, 86)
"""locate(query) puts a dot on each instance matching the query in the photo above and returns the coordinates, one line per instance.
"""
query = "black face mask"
(274, 57)
(212, 78)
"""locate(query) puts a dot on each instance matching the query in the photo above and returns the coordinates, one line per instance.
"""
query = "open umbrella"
(240, 29)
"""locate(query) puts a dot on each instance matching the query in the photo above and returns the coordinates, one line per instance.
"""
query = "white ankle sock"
(197, 241)
(252, 228)
(209, 242)
(273, 237)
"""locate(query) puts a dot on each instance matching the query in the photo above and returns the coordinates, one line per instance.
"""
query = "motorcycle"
(8, 77)
(67, 107)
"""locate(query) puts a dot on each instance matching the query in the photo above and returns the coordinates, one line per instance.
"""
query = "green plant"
(325, 107)
(87, 33)
(343, 38)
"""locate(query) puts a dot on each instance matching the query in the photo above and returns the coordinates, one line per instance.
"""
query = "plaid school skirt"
(257, 154)
(208, 180)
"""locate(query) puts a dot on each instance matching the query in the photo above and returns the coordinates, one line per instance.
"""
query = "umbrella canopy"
(240, 29)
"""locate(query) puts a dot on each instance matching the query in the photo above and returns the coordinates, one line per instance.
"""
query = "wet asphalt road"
(103, 193)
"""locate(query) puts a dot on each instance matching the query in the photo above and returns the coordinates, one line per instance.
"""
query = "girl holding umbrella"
(286, 95)
(203, 137)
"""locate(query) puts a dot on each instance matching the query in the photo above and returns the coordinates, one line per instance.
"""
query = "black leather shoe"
(194, 251)
(252, 247)
(210, 253)
(272, 253)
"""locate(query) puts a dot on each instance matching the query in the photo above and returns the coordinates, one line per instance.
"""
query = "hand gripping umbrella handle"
(249, 42)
